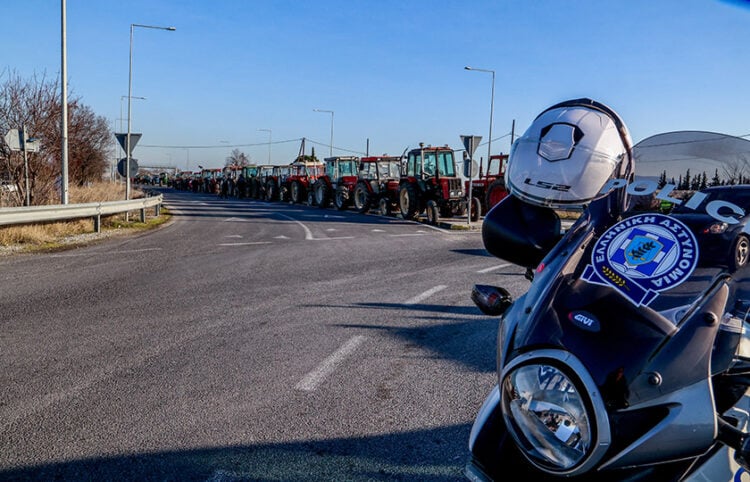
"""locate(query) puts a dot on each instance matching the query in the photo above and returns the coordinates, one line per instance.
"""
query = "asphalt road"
(248, 340)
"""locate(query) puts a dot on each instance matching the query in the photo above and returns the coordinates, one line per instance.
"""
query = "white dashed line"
(407, 234)
(244, 244)
(331, 239)
(493, 268)
(425, 295)
(311, 381)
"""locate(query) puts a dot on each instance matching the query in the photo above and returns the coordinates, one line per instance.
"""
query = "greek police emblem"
(642, 256)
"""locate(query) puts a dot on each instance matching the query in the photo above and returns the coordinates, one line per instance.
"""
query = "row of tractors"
(423, 181)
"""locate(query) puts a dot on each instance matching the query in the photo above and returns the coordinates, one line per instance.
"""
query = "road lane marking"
(493, 268)
(308, 233)
(407, 234)
(244, 244)
(330, 239)
(311, 381)
(425, 295)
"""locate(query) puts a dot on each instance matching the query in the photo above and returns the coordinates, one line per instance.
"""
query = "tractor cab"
(430, 183)
(378, 184)
(489, 188)
(338, 182)
(302, 175)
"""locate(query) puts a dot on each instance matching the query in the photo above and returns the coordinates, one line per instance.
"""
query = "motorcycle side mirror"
(520, 232)
(492, 300)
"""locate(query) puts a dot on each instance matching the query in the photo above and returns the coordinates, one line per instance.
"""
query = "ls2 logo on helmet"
(642, 256)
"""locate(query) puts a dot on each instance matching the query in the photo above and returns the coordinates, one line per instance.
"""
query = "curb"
(454, 225)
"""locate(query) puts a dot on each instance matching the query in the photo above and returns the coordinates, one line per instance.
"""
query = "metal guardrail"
(62, 212)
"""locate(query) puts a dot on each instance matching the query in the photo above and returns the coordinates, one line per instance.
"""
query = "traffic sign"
(471, 167)
(13, 139)
(471, 143)
(122, 139)
(32, 145)
(133, 166)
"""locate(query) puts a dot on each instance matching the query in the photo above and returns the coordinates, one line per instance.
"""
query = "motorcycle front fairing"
(640, 373)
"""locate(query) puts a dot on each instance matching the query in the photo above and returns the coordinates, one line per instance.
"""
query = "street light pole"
(64, 105)
(492, 109)
(330, 112)
(130, 99)
(123, 97)
(269, 143)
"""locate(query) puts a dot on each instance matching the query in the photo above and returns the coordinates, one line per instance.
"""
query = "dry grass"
(51, 235)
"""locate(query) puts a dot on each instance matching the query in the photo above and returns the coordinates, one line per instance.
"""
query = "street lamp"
(269, 143)
(330, 112)
(130, 99)
(123, 97)
(492, 108)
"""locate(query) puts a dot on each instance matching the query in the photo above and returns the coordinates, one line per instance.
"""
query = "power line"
(219, 146)
(334, 147)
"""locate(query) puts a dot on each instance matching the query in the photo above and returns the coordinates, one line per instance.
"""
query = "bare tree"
(35, 104)
(735, 171)
(237, 158)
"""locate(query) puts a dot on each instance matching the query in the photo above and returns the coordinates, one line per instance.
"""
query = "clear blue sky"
(391, 70)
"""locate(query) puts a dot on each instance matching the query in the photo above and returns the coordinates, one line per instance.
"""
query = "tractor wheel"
(384, 205)
(310, 197)
(433, 213)
(476, 208)
(408, 201)
(296, 192)
(362, 201)
(495, 193)
(322, 194)
(341, 199)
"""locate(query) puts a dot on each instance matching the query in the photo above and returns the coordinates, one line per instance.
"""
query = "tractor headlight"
(557, 419)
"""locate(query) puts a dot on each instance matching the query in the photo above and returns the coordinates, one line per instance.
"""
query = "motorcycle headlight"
(554, 414)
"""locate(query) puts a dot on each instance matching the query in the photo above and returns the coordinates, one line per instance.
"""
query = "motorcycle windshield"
(685, 224)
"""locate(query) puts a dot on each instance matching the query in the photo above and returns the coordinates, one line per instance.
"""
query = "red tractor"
(489, 188)
(337, 183)
(276, 189)
(430, 183)
(378, 184)
(302, 176)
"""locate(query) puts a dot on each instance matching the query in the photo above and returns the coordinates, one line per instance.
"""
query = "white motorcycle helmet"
(568, 154)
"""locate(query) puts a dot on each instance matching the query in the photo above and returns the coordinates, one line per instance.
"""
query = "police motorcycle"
(627, 359)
